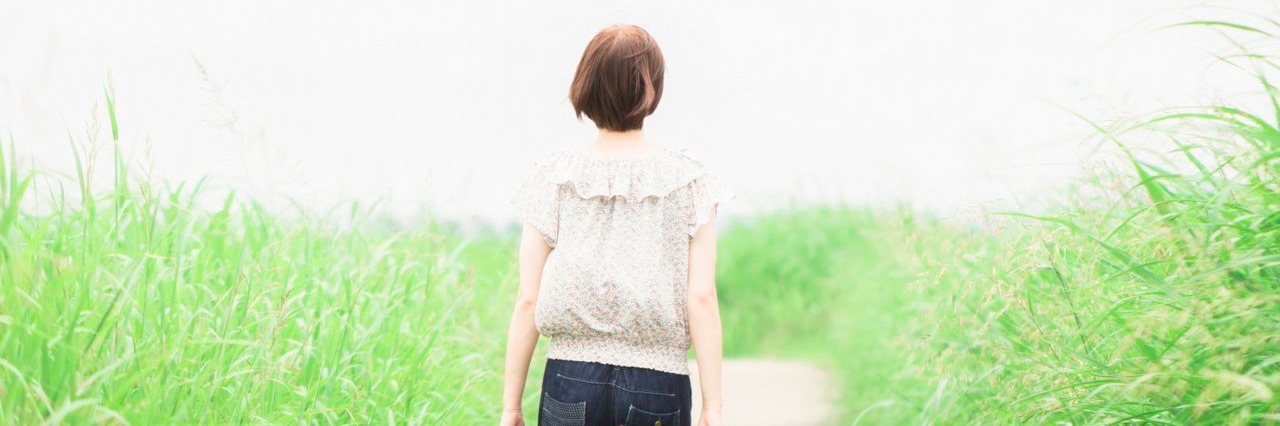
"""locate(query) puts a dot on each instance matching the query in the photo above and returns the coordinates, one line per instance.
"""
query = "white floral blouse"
(613, 287)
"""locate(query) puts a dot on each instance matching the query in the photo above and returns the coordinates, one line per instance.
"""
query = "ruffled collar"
(632, 178)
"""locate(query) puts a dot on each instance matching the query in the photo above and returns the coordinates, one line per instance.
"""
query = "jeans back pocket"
(559, 413)
(638, 417)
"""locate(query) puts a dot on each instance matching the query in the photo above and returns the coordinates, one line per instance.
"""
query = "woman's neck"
(615, 142)
(623, 139)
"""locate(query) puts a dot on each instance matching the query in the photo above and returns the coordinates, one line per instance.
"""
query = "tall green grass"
(1152, 298)
(825, 284)
(133, 305)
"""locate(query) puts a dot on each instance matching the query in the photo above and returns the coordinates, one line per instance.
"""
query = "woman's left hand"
(512, 418)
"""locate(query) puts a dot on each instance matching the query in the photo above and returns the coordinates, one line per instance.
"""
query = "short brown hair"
(619, 80)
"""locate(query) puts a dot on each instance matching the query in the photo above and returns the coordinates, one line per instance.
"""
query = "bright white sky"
(445, 104)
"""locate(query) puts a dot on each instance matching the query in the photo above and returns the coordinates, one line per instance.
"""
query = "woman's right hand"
(512, 418)
(709, 418)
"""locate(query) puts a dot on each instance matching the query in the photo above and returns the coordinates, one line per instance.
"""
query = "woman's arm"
(704, 318)
(522, 335)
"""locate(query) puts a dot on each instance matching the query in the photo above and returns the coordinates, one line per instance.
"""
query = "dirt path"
(771, 392)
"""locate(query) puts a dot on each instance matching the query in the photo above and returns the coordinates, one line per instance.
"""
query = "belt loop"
(616, 376)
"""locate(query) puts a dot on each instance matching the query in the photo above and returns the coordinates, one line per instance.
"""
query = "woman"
(617, 259)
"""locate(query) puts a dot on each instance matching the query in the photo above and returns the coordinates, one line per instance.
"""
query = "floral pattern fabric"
(613, 287)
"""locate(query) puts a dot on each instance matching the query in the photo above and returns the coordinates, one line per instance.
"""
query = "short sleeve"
(705, 193)
(538, 201)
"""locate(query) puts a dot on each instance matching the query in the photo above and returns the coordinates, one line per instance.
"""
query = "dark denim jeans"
(576, 393)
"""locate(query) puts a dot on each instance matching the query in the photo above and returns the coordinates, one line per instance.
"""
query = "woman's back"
(613, 289)
(617, 259)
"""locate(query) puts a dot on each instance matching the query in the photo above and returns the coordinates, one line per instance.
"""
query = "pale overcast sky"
(943, 103)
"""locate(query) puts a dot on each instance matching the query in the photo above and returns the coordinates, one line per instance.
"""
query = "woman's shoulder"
(656, 154)
(633, 178)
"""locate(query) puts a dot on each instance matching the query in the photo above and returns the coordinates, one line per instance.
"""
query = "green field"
(1151, 297)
